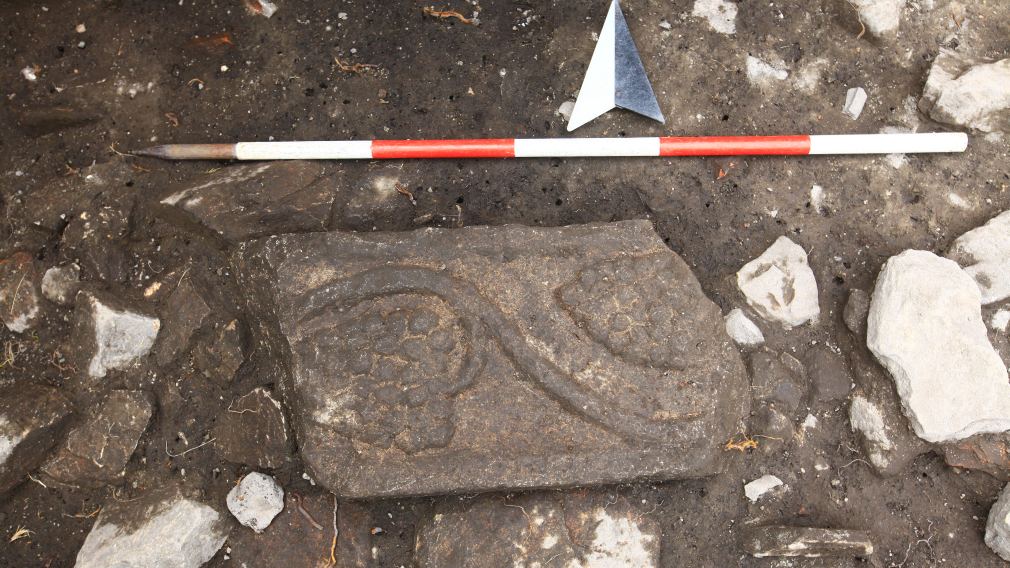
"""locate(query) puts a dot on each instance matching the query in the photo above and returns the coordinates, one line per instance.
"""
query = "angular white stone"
(764, 74)
(121, 337)
(742, 329)
(780, 285)
(757, 488)
(180, 533)
(968, 92)
(997, 528)
(256, 500)
(925, 327)
(984, 253)
(855, 100)
(879, 16)
(868, 420)
(721, 15)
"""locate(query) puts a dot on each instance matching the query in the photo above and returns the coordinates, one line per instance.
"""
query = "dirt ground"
(188, 71)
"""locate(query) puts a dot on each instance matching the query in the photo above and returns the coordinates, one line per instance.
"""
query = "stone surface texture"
(808, 542)
(780, 285)
(925, 327)
(777, 378)
(997, 527)
(109, 336)
(576, 530)
(251, 200)
(183, 313)
(857, 309)
(60, 284)
(220, 355)
(163, 529)
(881, 17)
(19, 292)
(523, 357)
(968, 92)
(829, 377)
(984, 253)
(97, 450)
(31, 419)
(253, 431)
(744, 331)
(988, 452)
(256, 500)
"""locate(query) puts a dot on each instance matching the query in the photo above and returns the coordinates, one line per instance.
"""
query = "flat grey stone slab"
(445, 361)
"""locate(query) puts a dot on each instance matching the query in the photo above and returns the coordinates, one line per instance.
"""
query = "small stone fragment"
(720, 14)
(163, 529)
(968, 92)
(108, 336)
(184, 313)
(780, 285)
(19, 292)
(764, 74)
(827, 372)
(857, 308)
(256, 500)
(30, 74)
(96, 451)
(989, 453)
(984, 253)
(997, 528)
(565, 110)
(760, 486)
(31, 418)
(881, 17)
(807, 542)
(925, 327)
(742, 329)
(868, 420)
(253, 431)
(1000, 320)
(220, 357)
(573, 529)
(855, 100)
(60, 284)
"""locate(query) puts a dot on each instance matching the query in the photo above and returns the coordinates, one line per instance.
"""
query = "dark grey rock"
(576, 528)
(829, 377)
(253, 431)
(431, 361)
(60, 284)
(31, 419)
(19, 292)
(808, 542)
(777, 377)
(166, 528)
(96, 238)
(97, 450)
(246, 201)
(183, 314)
(220, 355)
(857, 309)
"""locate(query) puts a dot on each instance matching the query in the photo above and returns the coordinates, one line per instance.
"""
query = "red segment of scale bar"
(482, 148)
(735, 146)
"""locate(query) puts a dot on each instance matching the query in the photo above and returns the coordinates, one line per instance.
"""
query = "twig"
(20, 534)
(336, 532)
(443, 14)
(741, 446)
(298, 503)
(37, 481)
(171, 455)
(402, 190)
(862, 26)
(353, 68)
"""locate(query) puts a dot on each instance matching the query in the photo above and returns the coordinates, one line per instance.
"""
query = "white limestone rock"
(60, 284)
(997, 528)
(256, 500)
(720, 14)
(868, 420)
(925, 327)
(855, 100)
(780, 285)
(881, 17)
(154, 532)
(968, 92)
(742, 329)
(109, 337)
(760, 486)
(984, 253)
(764, 74)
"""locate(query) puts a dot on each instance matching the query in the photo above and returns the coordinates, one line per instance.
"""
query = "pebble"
(256, 500)
(743, 331)
(855, 100)
(780, 285)
(760, 486)
(60, 284)
(565, 110)
(857, 308)
(29, 74)
(925, 327)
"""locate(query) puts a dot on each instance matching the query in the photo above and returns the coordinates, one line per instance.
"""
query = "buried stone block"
(253, 431)
(109, 337)
(445, 361)
(31, 418)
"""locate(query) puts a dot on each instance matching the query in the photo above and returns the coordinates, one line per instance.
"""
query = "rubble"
(997, 527)
(828, 375)
(855, 100)
(108, 336)
(806, 542)
(880, 17)
(577, 333)
(184, 313)
(984, 253)
(720, 14)
(253, 431)
(857, 309)
(759, 487)
(780, 285)
(743, 331)
(19, 292)
(868, 420)
(925, 327)
(31, 418)
(220, 356)
(256, 500)
(162, 529)
(61, 283)
(968, 92)
(565, 110)
(577, 529)
(97, 450)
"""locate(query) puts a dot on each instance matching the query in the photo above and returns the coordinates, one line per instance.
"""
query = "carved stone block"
(448, 361)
